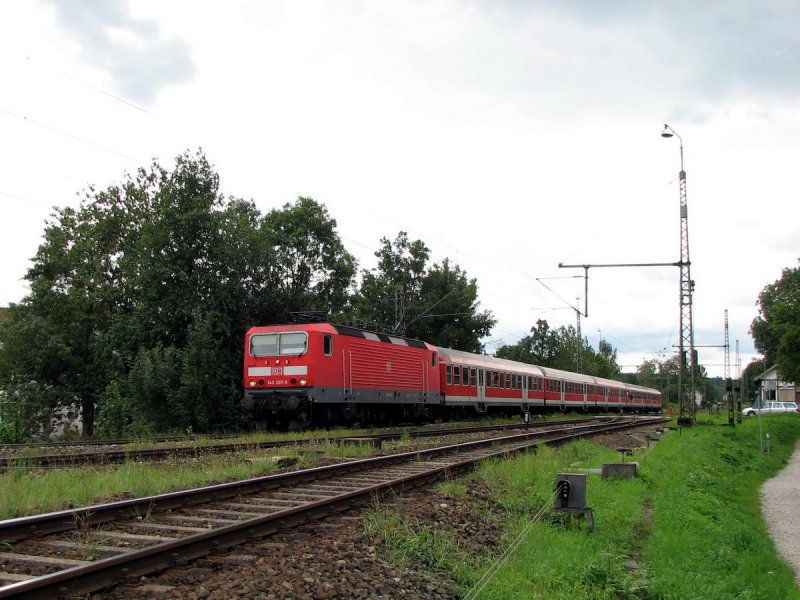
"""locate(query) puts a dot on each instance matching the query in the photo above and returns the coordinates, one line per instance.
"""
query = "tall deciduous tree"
(435, 303)
(776, 331)
(312, 269)
(140, 298)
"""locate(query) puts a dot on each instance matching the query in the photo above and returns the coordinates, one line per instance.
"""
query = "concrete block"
(620, 470)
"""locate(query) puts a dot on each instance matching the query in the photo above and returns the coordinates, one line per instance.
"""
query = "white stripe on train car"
(276, 371)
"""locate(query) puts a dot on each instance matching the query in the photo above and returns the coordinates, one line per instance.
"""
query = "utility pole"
(579, 345)
(579, 349)
(688, 406)
(728, 382)
(737, 385)
(686, 382)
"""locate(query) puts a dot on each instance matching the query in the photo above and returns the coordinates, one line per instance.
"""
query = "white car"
(771, 407)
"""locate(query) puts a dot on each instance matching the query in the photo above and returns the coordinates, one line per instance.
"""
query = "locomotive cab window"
(292, 343)
(265, 344)
(434, 359)
(327, 345)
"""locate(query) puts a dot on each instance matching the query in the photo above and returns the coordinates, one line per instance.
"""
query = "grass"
(27, 491)
(689, 527)
(709, 537)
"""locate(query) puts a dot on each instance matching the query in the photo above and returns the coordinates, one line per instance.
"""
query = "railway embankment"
(689, 526)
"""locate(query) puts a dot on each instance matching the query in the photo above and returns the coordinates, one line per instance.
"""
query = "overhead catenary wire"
(72, 136)
(508, 553)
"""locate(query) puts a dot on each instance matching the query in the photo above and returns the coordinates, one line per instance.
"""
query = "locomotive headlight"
(252, 383)
(303, 381)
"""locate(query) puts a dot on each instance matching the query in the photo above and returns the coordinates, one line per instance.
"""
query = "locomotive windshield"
(279, 344)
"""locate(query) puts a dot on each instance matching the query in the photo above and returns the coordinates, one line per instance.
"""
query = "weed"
(143, 515)
(452, 489)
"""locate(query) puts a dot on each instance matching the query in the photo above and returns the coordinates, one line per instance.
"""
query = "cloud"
(716, 47)
(131, 50)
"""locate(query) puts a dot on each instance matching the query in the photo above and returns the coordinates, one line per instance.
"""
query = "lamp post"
(686, 385)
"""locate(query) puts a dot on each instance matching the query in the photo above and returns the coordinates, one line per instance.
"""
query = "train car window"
(456, 375)
(448, 374)
(519, 382)
(508, 381)
(473, 377)
(480, 377)
(327, 345)
(495, 379)
(465, 376)
(264, 344)
(293, 344)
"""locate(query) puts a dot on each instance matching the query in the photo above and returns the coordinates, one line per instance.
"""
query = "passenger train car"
(298, 374)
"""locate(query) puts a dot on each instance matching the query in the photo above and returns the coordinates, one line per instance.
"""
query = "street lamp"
(668, 133)
(686, 386)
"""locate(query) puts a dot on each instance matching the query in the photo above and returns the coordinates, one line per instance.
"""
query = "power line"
(94, 88)
(78, 138)
(26, 199)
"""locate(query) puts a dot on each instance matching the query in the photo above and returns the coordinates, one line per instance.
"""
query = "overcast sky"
(509, 136)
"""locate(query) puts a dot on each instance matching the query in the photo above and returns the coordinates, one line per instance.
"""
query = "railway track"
(87, 549)
(116, 456)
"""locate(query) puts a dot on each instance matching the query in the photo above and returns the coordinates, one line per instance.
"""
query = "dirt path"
(779, 504)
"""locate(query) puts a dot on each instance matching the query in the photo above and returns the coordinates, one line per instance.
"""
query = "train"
(297, 375)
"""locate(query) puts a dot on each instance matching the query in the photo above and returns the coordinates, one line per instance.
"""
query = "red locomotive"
(298, 374)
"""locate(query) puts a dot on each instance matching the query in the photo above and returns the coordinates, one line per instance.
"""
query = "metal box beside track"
(571, 490)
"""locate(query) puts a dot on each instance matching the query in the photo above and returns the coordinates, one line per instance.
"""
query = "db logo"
(277, 370)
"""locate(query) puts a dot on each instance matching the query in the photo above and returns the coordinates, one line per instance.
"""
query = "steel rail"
(120, 456)
(102, 573)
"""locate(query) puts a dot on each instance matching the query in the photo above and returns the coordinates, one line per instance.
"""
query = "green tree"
(140, 299)
(387, 291)
(438, 304)
(776, 331)
(750, 372)
(312, 269)
(558, 349)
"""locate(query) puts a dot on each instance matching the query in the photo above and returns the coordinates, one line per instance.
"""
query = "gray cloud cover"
(140, 62)
(727, 45)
